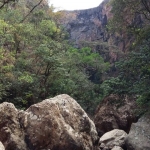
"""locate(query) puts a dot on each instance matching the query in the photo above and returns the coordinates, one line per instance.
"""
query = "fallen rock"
(139, 135)
(58, 123)
(115, 113)
(2, 146)
(113, 138)
(11, 134)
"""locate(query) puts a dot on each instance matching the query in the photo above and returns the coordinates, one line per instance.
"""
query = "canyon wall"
(89, 28)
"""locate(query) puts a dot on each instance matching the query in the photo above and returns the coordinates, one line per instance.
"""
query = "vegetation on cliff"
(131, 18)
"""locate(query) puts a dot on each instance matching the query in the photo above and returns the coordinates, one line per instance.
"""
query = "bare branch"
(31, 11)
(146, 5)
(6, 2)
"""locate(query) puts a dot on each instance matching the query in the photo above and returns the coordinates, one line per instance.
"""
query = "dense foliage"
(132, 17)
(36, 62)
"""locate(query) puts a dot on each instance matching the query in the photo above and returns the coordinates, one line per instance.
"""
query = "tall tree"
(132, 16)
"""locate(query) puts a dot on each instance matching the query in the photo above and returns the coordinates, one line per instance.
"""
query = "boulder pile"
(60, 123)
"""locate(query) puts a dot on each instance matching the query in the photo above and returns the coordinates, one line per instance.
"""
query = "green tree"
(132, 17)
(128, 15)
(37, 63)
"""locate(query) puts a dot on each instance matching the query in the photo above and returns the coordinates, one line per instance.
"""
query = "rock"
(102, 145)
(116, 148)
(58, 123)
(113, 138)
(86, 25)
(139, 135)
(11, 134)
(88, 28)
(2, 146)
(115, 113)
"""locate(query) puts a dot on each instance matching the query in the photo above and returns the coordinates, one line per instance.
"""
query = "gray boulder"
(113, 138)
(139, 135)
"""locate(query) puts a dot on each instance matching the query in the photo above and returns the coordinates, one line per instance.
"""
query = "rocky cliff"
(89, 28)
(87, 25)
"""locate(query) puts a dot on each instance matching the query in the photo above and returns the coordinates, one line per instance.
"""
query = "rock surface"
(113, 138)
(58, 123)
(86, 25)
(139, 135)
(116, 148)
(2, 146)
(88, 28)
(11, 134)
(115, 113)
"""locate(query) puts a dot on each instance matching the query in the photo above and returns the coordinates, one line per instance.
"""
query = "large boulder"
(2, 146)
(11, 134)
(113, 138)
(58, 123)
(115, 113)
(139, 135)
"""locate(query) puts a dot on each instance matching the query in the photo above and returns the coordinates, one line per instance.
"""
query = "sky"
(74, 4)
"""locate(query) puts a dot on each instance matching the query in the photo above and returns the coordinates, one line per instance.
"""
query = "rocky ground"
(60, 123)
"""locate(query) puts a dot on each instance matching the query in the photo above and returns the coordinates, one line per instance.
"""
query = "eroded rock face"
(115, 113)
(88, 28)
(58, 123)
(112, 139)
(139, 135)
(87, 25)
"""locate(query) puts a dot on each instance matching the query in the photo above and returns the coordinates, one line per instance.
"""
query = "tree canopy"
(132, 17)
(36, 62)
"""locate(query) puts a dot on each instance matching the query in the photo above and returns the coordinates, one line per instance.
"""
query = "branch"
(4, 3)
(31, 11)
(146, 5)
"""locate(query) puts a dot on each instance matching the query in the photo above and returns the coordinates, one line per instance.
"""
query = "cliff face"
(87, 25)
(88, 28)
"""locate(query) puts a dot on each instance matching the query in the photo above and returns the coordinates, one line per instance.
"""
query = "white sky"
(74, 4)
